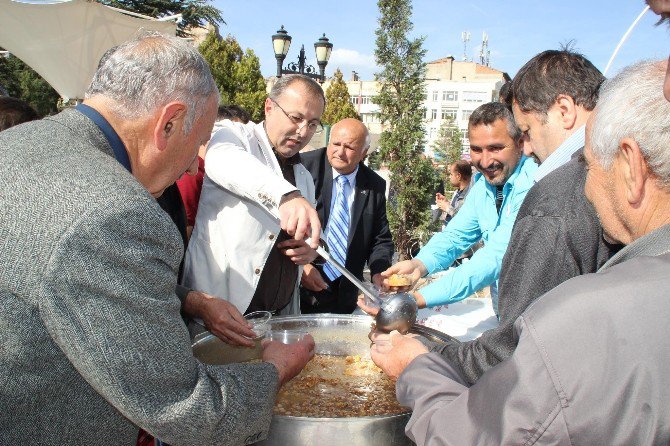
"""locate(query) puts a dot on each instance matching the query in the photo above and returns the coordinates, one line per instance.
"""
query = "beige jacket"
(236, 224)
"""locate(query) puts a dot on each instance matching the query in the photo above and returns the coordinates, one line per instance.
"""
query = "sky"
(517, 30)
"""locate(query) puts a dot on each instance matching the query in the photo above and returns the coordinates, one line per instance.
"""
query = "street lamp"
(281, 43)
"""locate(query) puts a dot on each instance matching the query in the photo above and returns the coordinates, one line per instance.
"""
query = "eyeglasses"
(313, 126)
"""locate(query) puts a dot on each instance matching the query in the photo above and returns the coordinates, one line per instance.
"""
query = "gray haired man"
(93, 345)
(591, 366)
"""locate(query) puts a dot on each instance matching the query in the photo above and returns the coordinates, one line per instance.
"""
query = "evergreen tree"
(338, 101)
(236, 73)
(449, 143)
(401, 79)
(22, 82)
(194, 13)
(251, 87)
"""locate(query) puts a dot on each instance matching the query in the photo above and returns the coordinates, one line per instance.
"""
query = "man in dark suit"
(361, 230)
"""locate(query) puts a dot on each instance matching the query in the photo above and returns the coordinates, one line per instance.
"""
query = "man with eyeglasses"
(239, 251)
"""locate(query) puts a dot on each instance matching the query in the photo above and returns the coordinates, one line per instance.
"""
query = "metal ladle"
(398, 312)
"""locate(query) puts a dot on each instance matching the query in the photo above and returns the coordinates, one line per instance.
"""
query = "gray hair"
(151, 71)
(366, 144)
(286, 80)
(487, 114)
(632, 105)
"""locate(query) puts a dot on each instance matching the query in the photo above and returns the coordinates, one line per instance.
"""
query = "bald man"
(351, 204)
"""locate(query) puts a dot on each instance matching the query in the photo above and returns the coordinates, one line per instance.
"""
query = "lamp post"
(281, 43)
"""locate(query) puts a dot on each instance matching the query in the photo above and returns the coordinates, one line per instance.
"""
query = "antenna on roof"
(485, 53)
(465, 37)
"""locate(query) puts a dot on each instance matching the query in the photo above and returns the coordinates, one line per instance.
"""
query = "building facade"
(453, 90)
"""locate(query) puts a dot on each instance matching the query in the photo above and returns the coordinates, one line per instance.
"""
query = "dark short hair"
(463, 168)
(487, 114)
(538, 83)
(505, 94)
(234, 111)
(286, 80)
(14, 111)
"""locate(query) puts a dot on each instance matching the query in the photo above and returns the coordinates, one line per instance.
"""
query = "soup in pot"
(339, 386)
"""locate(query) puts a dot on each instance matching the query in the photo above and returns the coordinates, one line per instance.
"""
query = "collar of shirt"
(523, 174)
(523, 166)
(113, 138)
(561, 155)
(285, 162)
(654, 243)
(351, 178)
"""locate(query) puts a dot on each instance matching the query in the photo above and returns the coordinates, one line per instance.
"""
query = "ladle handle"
(322, 252)
(345, 272)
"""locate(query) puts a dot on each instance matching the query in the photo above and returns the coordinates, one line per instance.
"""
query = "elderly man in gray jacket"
(92, 345)
(591, 366)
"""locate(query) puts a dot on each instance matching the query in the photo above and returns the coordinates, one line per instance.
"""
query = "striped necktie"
(338, 229)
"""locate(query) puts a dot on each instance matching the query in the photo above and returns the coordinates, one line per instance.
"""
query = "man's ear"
(170, 120)
(568, 111)
(268, 105)
(634, 169)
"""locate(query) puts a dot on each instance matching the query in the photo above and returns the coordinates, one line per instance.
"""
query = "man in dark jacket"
(556, 234)
(366, 237)
(592, 362)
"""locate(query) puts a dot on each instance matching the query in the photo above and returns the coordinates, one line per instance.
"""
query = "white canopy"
(64, 41)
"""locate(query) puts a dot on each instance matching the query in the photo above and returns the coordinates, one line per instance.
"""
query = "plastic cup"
(287, 336)
(260, 322)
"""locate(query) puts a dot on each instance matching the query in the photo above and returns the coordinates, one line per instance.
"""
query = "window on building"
(450, 96)
(433, 114)
(466, 114)
(449, 113)
(435, 95)
(475, 96)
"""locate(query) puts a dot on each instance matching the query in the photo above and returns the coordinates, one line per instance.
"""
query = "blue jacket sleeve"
(484, 267)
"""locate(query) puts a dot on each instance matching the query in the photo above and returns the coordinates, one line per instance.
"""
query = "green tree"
(401, 95)
(24, 83)
(237, 73)
(449, 143)
(338, 101)
(251, 86)
(194, 13)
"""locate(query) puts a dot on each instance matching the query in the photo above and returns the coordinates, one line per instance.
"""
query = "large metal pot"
(334, 335)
